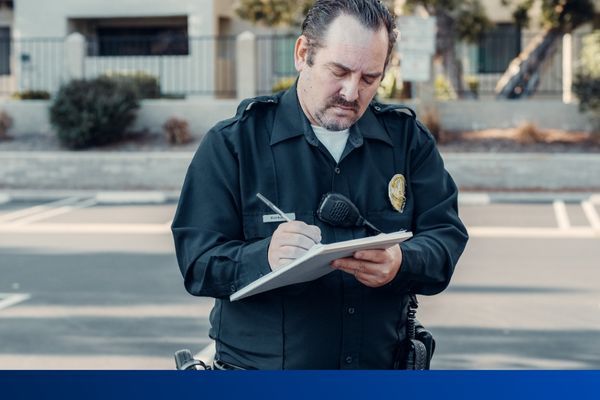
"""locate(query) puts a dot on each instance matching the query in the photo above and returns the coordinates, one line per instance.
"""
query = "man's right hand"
(290, 241)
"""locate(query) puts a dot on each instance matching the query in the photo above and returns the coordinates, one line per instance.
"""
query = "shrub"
(177, 131)
(31, 95)
(284, 84)
(472, 82)
(5, 124)
(443, 88)
(89, 113)
(147, 85)
(388, 88)
(587, 81)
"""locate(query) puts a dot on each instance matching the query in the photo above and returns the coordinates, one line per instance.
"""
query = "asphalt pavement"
(91, 282)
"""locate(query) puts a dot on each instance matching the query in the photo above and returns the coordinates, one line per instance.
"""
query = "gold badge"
(397, 192)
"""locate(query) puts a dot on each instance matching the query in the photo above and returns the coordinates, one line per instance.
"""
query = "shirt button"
(232, 287)
(349, 360)
(351, 310)
(337, 170)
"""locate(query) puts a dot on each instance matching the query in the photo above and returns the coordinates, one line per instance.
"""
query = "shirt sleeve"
(429, 258)
(213, 256)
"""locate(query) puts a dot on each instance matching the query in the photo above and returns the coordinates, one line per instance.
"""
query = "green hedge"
(31, 95)
(147, 86)
(88, 113)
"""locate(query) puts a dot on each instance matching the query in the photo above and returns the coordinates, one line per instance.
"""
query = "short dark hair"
(372, 14)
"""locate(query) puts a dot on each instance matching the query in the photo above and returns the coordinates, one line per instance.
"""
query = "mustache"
(340, 101)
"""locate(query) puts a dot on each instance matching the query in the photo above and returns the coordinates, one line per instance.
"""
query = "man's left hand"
(373, 268)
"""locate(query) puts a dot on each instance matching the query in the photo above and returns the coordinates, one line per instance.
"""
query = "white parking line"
(37, 209)
(474, 199)
(54, 212)
(10, 299)
(142, 229)
(591, 214)
(518, 232)
(562, 218)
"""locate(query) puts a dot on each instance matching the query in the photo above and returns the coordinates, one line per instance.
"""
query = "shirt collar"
(291, 122)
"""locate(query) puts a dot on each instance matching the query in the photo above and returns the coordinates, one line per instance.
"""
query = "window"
(4, 51)
(147, 36)
(142, 41)
(498, 47)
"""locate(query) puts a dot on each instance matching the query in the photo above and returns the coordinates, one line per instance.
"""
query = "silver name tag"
(277, 218)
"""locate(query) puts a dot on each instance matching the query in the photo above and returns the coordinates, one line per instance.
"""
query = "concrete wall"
(201, 114)
(473, 114)
(31, 117)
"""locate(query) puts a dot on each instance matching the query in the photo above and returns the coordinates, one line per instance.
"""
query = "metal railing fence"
(206, 66)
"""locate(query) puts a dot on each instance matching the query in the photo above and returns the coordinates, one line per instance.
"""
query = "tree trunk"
(445, 49)
(522, 76)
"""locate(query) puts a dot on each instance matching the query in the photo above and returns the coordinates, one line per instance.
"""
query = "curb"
(165, 171)
(525, 171)
(465, 197)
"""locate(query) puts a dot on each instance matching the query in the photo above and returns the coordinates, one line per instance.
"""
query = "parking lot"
(90, 283)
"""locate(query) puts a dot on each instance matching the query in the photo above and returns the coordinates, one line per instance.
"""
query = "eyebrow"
(344, 68)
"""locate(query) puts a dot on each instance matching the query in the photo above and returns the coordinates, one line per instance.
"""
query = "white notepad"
(315, 263)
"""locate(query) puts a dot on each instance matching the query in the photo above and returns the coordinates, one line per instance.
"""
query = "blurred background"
(102, 105)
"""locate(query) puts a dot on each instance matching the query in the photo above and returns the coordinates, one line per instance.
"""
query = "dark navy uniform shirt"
(221, 240)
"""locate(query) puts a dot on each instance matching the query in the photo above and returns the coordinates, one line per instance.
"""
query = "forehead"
(350, 43)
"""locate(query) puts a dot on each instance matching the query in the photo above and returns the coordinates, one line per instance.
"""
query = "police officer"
(323, 135)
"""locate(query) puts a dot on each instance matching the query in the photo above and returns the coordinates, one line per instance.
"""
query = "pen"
(273, 207)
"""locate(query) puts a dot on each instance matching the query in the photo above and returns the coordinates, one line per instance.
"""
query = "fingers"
(379, 256)
(298, 227)
(294, 240)
(376, 256)
(354, 267)
(290, 241)
(373, 268)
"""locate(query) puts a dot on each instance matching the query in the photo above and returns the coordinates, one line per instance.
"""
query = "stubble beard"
(331, 122)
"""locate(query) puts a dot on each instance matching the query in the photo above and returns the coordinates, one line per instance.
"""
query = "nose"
(350, 89)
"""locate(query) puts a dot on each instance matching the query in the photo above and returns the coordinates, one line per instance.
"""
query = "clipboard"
(315, 263)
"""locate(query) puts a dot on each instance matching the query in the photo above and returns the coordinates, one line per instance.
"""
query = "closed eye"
(338, 73)
(368, 80)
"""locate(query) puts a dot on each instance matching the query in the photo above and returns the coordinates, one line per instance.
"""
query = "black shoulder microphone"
(338, 210)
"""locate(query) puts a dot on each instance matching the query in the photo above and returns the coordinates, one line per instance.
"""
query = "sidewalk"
(164, 171)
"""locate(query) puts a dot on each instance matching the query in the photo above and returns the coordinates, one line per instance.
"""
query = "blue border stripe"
(299, 385)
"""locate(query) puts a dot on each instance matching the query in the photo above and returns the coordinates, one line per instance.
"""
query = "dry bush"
(529, 133)
(5, 124)
(431, 119)
(177, 131)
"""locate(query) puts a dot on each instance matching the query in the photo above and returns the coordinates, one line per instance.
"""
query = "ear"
(301, 53)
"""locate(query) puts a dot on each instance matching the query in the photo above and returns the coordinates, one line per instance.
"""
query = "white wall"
(35, 18)
(49, 19)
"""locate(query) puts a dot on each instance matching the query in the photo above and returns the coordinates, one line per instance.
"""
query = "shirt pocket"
(390, 221)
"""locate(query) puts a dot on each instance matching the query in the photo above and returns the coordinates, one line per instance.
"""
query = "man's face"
(336, 90)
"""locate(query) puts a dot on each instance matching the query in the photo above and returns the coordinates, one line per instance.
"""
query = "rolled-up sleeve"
(213, 256)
